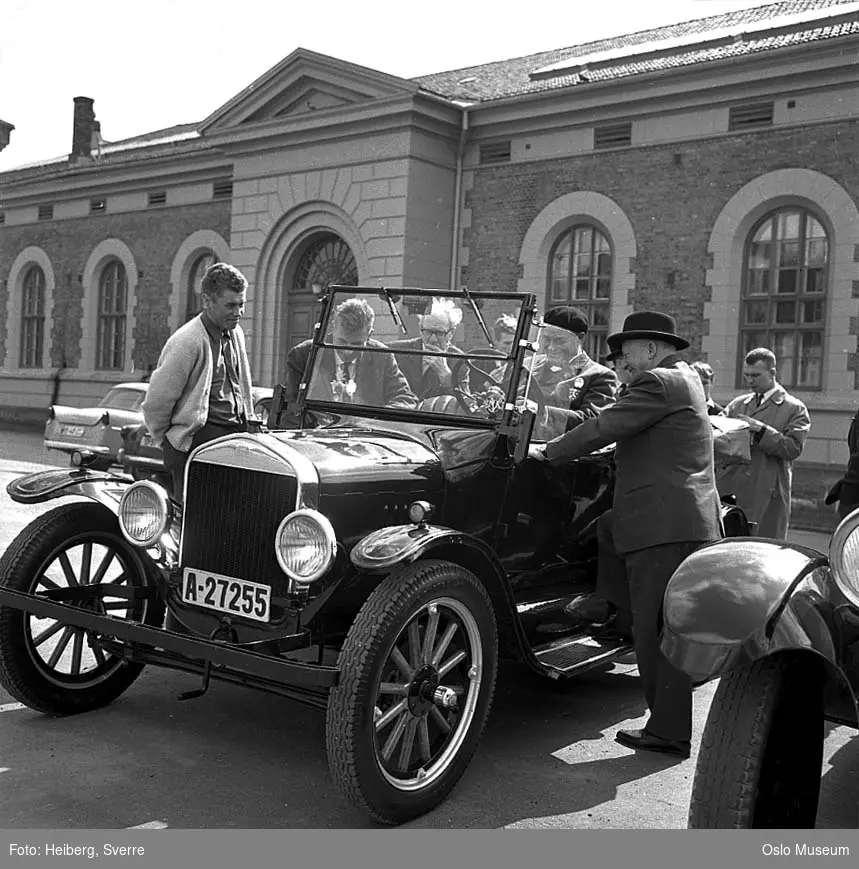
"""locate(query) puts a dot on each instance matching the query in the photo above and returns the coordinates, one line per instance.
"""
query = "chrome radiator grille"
(230, 518)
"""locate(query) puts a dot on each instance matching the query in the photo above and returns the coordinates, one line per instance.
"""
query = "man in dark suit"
(350, 376)
(586, 386)
(430, 375)
(665, 507)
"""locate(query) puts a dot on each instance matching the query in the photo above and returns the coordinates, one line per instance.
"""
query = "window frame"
(771, 328)
(195, 275)
(32, 345)
(595, 343)
(111, 324)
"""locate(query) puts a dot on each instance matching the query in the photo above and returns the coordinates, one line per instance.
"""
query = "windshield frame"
(526, 302)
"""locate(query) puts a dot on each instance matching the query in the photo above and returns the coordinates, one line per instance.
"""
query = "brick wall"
(671, 202)
(153, 238)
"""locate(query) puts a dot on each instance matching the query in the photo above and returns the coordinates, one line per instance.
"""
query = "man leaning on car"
(201, 388)
(665, 507)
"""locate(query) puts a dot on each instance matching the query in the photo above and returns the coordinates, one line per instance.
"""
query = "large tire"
(761, 754)
(52, 667)
(426, 631)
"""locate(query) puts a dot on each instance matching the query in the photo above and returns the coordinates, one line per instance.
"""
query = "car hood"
(358, 459)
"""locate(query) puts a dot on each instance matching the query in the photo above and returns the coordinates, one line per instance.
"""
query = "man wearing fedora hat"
(665, 506)
(577, 388)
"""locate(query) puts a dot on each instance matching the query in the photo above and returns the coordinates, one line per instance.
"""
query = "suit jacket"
(424, 383)
(846, 490)
(590, 388)
(377, 376)
(665, 488)
(769, 476)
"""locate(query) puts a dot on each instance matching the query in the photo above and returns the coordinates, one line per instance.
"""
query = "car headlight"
(305, 545)
(144, 513)
(844, 557)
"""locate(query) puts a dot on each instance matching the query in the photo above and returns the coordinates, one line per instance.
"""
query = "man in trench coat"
(779, 423)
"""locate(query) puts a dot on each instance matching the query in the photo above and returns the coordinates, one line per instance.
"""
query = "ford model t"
(370, 556)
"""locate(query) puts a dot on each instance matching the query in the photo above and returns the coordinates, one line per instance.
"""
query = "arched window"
(327, 260)
(580, 269)
(193, 300)
(784, 294)
(112, 304)
(32, 318)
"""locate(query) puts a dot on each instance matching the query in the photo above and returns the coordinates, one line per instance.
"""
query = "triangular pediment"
(302, 83)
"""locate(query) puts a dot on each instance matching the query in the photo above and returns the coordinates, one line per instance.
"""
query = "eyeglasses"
(439, 333)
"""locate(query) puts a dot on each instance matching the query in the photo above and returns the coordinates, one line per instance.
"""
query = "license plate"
(72, 431)
(226, 594)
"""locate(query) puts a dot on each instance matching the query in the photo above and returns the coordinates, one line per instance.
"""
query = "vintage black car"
(374, 562)
(779, 623)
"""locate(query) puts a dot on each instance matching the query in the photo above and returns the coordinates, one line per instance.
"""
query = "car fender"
(394, 545)
(103, 487)
(738, 600)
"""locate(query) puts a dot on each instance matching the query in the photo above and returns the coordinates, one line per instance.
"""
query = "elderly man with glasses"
(430, 375)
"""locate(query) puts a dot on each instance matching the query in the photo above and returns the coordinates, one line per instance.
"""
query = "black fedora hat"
(652, 325)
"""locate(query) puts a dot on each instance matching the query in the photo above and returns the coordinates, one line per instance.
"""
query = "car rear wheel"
(418, 673)
(54, 667)
(761, 754)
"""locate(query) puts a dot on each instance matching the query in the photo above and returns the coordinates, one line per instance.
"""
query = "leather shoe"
(590, 612)
(641, 740)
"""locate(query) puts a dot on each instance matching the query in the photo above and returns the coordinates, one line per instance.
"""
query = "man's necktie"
(758, 399)
(233, 377)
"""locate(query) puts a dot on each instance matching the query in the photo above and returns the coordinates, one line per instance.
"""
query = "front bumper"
(168, 648)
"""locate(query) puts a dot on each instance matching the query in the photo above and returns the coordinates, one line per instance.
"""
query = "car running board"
(571, 655)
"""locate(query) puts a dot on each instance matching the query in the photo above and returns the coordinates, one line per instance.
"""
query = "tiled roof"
(516, 76)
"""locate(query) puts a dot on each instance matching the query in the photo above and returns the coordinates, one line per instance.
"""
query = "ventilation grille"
(97, 206)
(749, 116)
(46, 212)
(496, 152)
(222, 189)
(158, 197)
(613, 135)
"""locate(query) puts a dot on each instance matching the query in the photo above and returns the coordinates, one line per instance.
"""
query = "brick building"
(709, 168)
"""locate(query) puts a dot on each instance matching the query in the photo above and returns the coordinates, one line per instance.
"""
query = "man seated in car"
(350, 376)
(430, 375)
(576, 387)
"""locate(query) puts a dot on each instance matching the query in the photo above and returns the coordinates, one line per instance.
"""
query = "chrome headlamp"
(305, 545)
(844, 557)
(144, 513)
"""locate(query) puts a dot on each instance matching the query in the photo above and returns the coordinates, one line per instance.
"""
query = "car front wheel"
(761, 754)
(418, 672)
(58, 668)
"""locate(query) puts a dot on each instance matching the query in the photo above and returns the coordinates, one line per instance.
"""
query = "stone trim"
(284, 240)
(563, 213)
(835, 208)
(110, 248)
(15, 295)
(197, 243)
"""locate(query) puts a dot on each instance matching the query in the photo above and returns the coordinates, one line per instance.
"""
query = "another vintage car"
(374, 562)
(779, 624)
(95, 432)
(141, 457)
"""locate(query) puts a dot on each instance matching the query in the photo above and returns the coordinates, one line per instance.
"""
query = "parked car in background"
(778, 624)
(96, 432)
(141, 457)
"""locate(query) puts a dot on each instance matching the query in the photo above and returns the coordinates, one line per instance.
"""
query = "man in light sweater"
(201, 388)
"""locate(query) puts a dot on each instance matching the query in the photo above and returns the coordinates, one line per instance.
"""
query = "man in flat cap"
(576, 386)
(665, 507)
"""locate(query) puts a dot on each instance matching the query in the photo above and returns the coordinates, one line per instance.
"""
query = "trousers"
(635, 583)
(175, 460)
